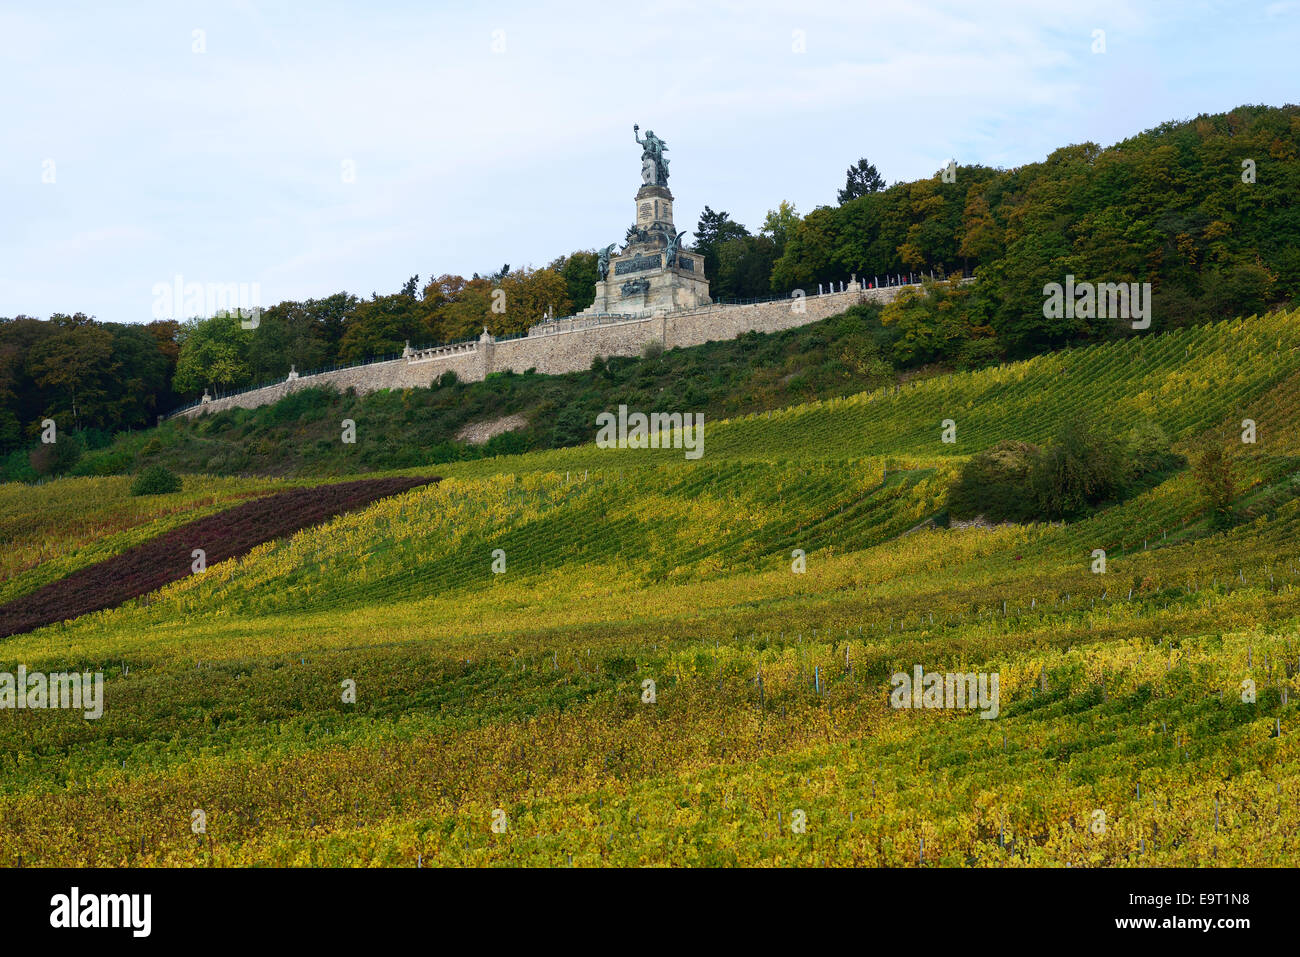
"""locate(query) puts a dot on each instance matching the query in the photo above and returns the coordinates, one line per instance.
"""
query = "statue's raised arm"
(654, 165)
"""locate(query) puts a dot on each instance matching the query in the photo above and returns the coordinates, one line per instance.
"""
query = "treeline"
(1203, 210)
(88, 376)
(98, 378)
(223, 353)
(299, 435)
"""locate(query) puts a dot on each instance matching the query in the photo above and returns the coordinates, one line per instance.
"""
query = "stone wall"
(567, 346)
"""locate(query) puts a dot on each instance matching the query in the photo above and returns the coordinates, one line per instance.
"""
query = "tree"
(382, 326)
(463, 309)
(711, 231)
(580, 274)
(936, 322)
(779, 224)
(1213, 470)
(981, 238)
(530, 294)
(993, 484)
(18, 392)
(75, 363)
(214, 352)
(140, 380)
(744, 268)
(862, 178)
(1080, 469)
(287, 337)
(810, 252)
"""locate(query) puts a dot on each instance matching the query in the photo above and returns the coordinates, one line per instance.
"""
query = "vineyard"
(597, 657)
(228, 534)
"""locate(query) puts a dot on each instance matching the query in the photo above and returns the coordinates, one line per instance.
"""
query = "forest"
(1201, 209)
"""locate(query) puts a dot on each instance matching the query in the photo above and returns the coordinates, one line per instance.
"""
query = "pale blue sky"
(226, 166)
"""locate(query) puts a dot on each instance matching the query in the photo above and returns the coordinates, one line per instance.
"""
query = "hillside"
(299, 435)
(523, 692)
(1170, 206)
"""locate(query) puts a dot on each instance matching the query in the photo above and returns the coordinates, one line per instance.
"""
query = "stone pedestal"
(641, 280)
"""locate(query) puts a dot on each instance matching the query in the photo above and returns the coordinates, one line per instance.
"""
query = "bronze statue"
(674, 245)
(654, 165)
(602, 260)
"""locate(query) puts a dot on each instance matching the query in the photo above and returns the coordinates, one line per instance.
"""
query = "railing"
(549, 327)
(431, 352)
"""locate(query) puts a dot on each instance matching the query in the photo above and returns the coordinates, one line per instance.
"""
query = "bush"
(1080, 469)
(17, 467)
(573, 426)
(993, 483)
(110, 462)
(1149, 451)
(978, 353)
(1213, 470)
(55, 458)
(156, 480)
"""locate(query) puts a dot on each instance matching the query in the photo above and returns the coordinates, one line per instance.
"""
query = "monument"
(655, 272)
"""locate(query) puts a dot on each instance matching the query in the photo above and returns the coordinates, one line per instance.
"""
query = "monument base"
(653, 274)
(653, 293)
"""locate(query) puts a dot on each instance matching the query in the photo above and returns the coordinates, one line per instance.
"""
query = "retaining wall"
(562, 348)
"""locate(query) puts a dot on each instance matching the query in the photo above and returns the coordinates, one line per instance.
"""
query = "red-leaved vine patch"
(169, 557)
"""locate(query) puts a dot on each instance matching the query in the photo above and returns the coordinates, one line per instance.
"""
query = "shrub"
(978, 353)
(1213, 470)
(1149, 451)
(994, 483)
(55, 458)
(1080, 469)
(95, 439)
(17, 467)
(156, 480)
(573, 426)
(114, 461)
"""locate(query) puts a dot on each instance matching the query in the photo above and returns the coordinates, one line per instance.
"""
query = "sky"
(302, 149)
